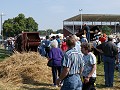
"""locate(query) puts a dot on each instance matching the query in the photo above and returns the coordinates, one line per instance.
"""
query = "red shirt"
(64, 46)
(102, 39)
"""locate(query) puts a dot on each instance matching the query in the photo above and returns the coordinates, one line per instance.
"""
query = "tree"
(42, 32)
(106, 29)
(14, 26)
(59, 31)
(49, 31)
(31, 25)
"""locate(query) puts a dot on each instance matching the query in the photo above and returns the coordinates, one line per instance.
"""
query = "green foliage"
(42, 32)
(59, 31)
(106, 29)
(4, 54)
(49, 31)
(14, 26)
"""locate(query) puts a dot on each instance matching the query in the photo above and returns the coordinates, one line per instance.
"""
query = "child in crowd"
(89, 71)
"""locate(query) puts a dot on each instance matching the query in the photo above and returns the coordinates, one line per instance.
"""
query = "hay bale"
(29, 68)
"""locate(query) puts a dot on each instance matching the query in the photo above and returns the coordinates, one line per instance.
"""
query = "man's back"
(108, 48)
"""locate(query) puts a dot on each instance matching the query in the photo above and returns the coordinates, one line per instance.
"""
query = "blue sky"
(49, 14)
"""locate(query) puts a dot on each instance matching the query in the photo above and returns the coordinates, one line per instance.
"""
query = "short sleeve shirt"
(89, 61)
(73, 60)
(118, 45)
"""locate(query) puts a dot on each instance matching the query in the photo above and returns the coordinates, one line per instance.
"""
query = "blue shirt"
(59, 42)
(47, 43)
(87, 28)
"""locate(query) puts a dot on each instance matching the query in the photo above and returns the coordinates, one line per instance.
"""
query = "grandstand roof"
(96, 18)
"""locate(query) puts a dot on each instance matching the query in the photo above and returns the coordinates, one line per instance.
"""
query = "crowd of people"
(9, 44)
(75, 59)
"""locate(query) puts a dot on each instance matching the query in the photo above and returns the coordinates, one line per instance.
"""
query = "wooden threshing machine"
(27, 41)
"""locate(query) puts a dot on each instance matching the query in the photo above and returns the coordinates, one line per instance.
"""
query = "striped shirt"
(73, 60)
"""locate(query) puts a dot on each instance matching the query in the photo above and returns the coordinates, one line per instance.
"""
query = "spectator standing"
(77, 43)
(84, 39)
(64, 45)
(103, 38)
(12, 45)
(5, 44)
(98, 54)
(117, 39)
(97, 34)
(87, 29)
(41, 48)
(110, 54)
(47, 46)
(118, 45)
(89, 71)
(53, 39)
(72, 66)
(58, 40)
(56, 55)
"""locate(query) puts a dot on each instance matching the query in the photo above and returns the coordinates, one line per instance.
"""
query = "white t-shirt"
(118, 45)
(96, 43)
(89, 61)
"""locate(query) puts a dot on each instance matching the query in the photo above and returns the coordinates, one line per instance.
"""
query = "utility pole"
(2, 25)
(81, 17)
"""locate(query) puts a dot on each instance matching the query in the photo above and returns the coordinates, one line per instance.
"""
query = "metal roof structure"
(95, 18)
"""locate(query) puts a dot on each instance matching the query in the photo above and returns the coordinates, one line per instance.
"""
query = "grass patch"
(100, 84)
(4, 54)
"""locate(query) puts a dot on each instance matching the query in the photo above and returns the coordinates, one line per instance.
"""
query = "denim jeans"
(109, 65)
(119, 69)
(72, 82)
(88, 36)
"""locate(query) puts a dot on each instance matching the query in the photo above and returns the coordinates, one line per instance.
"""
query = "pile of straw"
(25, 68)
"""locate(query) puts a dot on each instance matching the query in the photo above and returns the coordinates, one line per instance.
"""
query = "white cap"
(110, 36)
